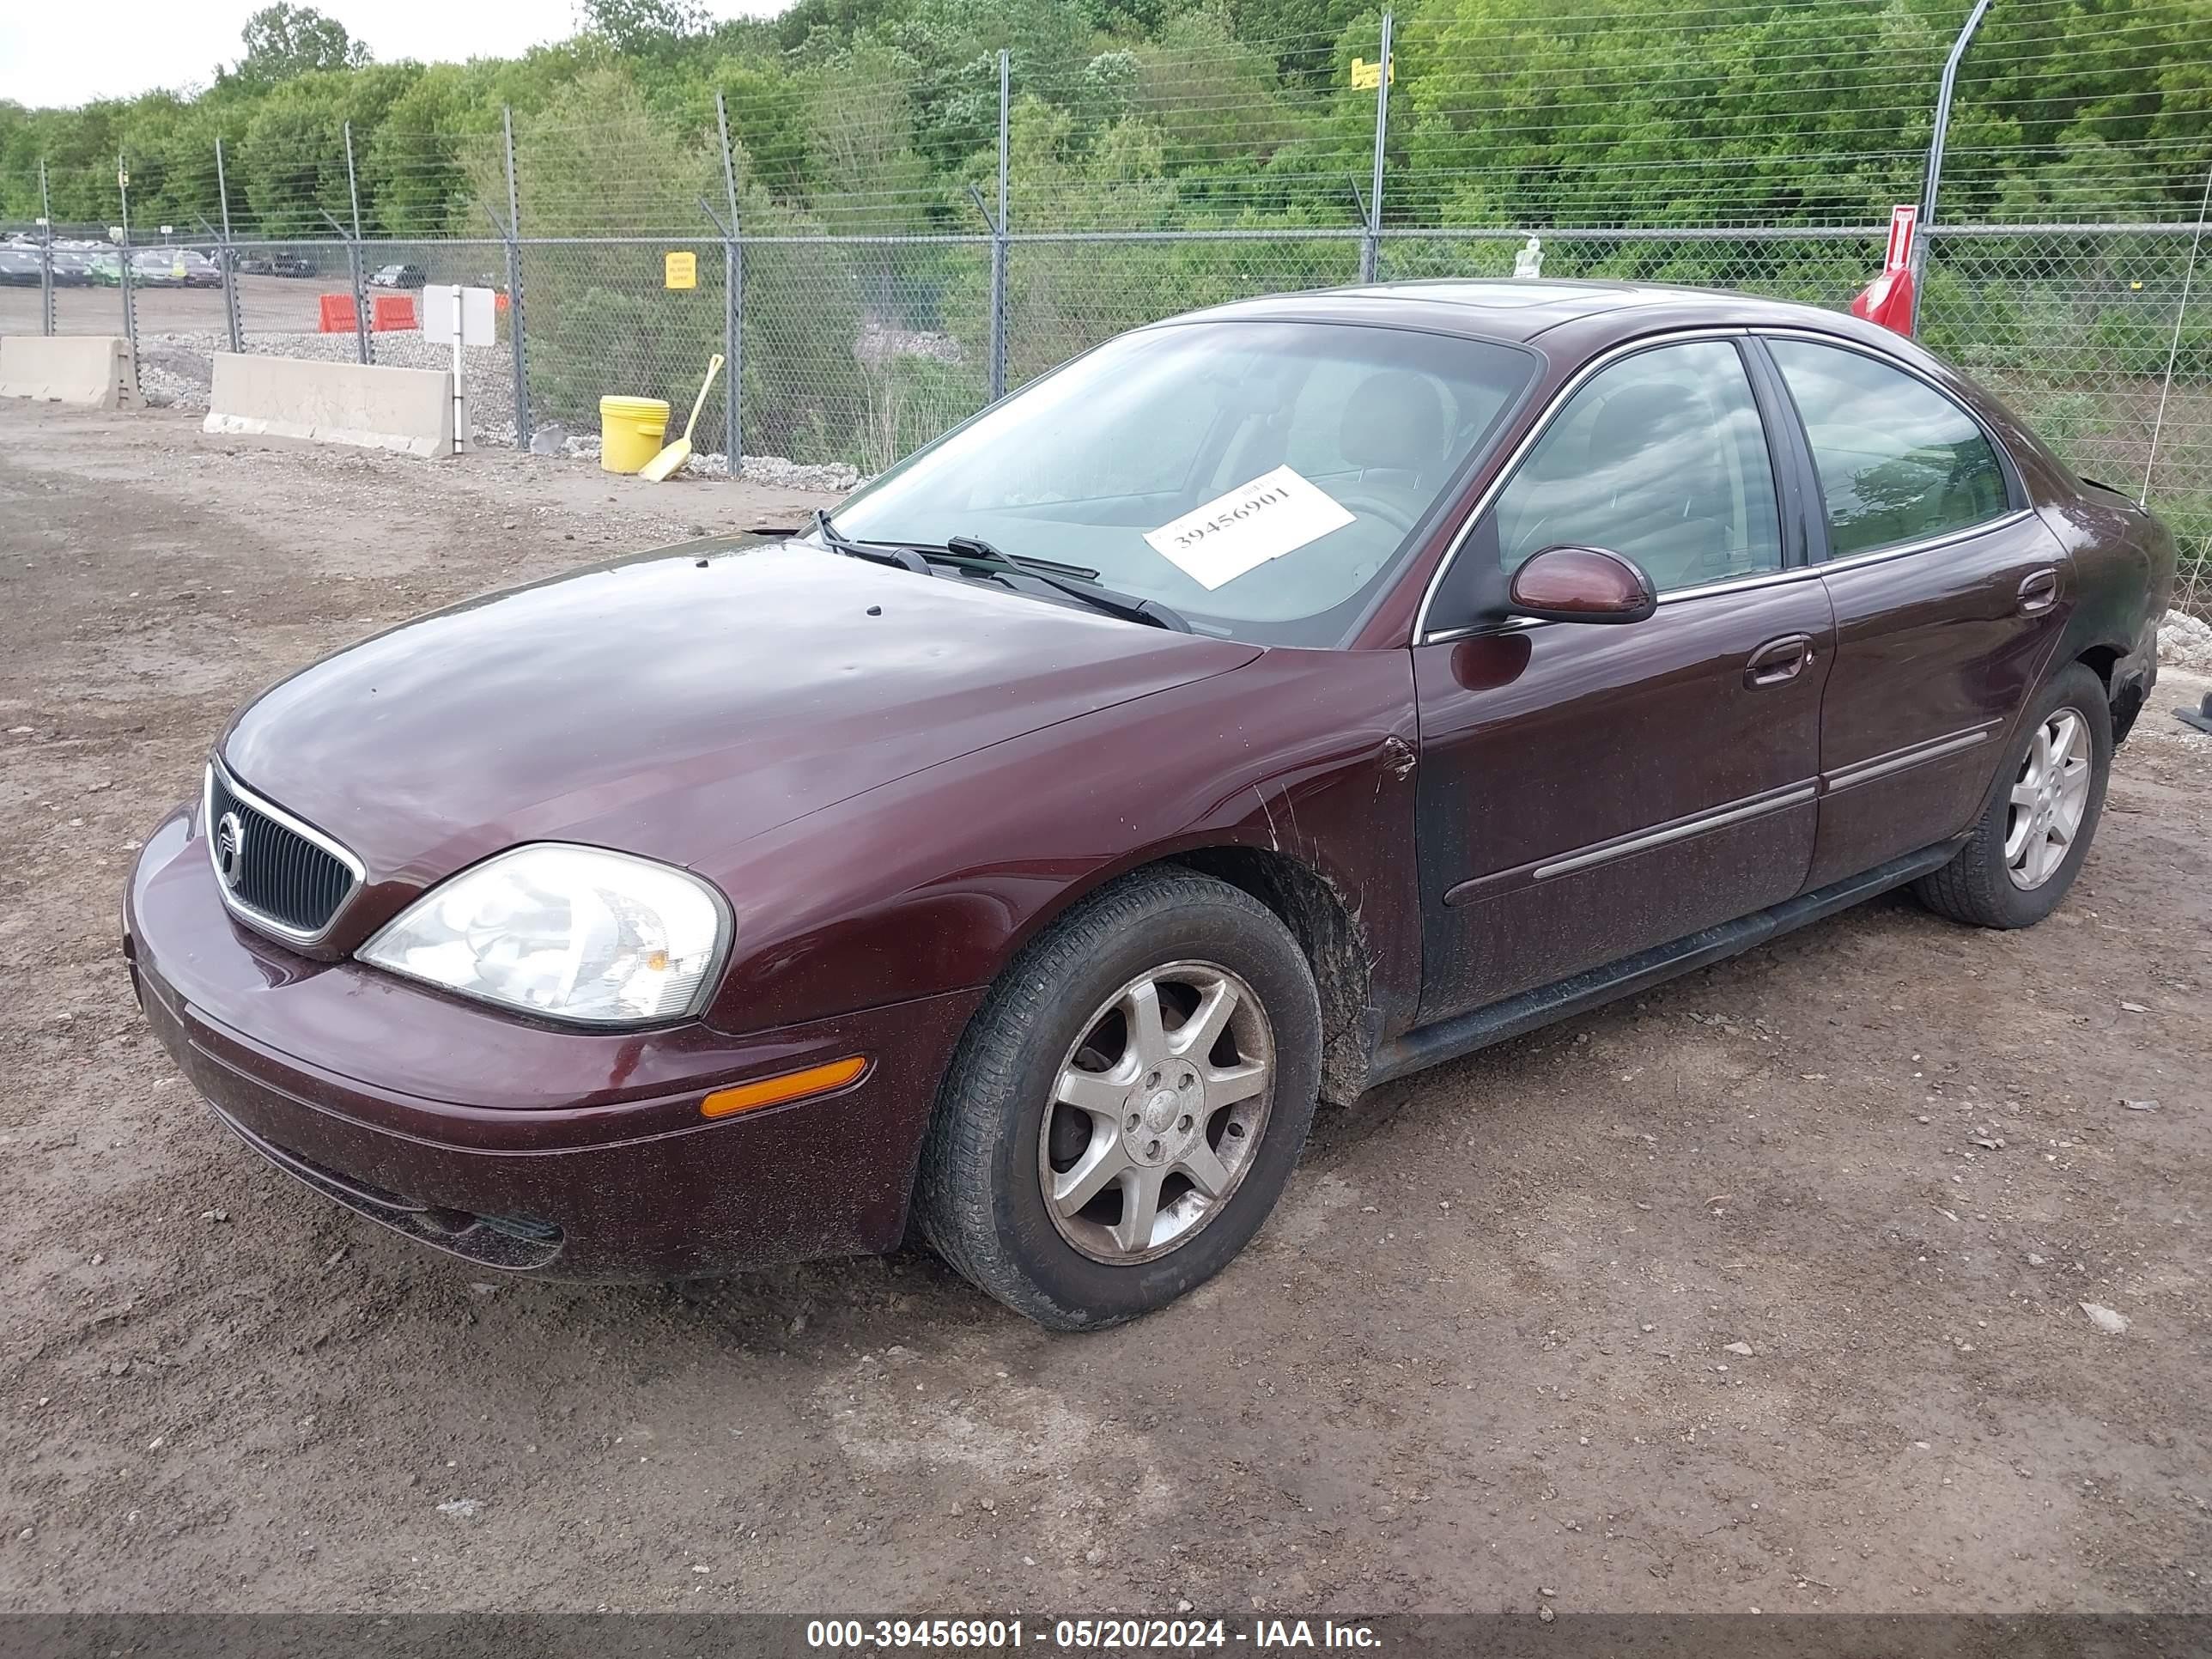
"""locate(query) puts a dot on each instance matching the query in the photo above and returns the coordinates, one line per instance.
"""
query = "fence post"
(1935, 174)
(523, 430)
(362, 351)
(45, 252)
(1371, 247)
(229, 258)
(123, 258)
(998, 248)
(2174, 351)
(733, 307)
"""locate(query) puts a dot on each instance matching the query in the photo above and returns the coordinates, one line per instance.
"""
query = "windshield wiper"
(973, 553)
(1026, 561)
(838, 542)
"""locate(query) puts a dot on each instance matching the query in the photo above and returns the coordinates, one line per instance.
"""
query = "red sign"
(1902, 221)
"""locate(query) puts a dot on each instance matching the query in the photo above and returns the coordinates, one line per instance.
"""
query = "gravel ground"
(2186, 641)
(1764, 1291)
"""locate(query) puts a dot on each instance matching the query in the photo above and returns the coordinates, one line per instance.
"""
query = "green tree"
(644, 27)
(863, 169)
(283, 40)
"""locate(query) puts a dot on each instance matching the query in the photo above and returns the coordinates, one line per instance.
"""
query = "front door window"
(1661, 457)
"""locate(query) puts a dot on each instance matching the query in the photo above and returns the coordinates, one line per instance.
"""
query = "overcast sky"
(54, 52)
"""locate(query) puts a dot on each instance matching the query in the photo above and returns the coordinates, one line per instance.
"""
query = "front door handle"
(2039, 592)
(1778, 661)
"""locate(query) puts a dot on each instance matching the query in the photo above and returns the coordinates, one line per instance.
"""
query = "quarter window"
(1898, 461)
(1662, 457)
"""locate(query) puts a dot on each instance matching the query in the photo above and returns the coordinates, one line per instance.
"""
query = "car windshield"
(1261, 478)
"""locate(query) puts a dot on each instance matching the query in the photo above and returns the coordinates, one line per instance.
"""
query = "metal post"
(522, 427)
(461, 393)
(2174, 351)
(123, 260)
(998, 247)
(45, 253)
(733, 307)
(361, 346)
(1928, 189)
(229, 258)
(1371, 249)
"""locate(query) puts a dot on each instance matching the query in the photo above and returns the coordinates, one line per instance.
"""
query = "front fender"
(933, 882)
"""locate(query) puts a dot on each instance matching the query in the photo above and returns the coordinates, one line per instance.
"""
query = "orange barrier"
(337, 314)
(389, 311)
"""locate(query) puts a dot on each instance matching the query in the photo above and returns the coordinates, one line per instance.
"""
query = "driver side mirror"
(1582, 584)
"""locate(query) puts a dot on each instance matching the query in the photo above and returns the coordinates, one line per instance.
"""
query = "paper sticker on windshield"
(1276, 513)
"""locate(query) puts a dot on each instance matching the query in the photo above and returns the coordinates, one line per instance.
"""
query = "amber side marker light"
(789, 1085)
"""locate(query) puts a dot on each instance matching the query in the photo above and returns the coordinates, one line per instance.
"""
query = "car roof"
(1519, 309)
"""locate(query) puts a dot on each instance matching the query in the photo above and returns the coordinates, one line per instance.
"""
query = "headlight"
(570, 933)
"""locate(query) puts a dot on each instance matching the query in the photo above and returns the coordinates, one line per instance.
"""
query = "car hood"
(674, 704)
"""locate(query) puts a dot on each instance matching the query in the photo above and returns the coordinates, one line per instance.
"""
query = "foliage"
(880, 118)
(283, 41)
(876, 114)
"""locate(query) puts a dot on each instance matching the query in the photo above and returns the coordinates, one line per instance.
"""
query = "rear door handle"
(2039, 592)
(1778, 661)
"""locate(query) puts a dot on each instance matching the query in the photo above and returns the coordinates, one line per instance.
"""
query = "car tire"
(1002, 1129)
(1986, 886)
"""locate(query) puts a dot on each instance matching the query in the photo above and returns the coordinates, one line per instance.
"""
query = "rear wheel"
(1127, 1105)
(2023, 855)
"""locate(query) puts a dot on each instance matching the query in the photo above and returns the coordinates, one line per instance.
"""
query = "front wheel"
(1125, 1107)
(2022, 857)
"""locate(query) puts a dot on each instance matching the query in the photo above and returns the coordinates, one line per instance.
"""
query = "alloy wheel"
(2049, 799)
(1157, 1113)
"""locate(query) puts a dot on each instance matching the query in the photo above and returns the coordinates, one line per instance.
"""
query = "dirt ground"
(264, 302)
(1480, 1358)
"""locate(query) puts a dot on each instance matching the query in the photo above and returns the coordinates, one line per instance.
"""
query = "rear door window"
(1898, 461)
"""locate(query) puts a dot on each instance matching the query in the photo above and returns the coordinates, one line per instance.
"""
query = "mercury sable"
(1269, 702)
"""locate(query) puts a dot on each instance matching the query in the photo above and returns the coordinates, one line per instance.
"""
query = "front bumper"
(521, 1146)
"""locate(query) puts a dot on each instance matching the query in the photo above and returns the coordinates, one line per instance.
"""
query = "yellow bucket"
(632, 431)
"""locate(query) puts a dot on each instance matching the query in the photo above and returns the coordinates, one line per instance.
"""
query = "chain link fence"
(855, 350)
(2098, 336)
(859, 326)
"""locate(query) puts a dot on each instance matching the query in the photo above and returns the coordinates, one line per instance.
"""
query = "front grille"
(271, 872)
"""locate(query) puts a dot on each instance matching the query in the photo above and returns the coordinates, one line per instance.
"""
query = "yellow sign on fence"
(681, 271)
(1368, 77)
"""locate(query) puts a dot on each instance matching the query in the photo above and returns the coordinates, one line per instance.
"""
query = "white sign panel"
(477, 310)
(1276, 513)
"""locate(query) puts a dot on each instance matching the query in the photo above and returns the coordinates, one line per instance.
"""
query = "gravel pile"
(176, 371)
(2185, 642)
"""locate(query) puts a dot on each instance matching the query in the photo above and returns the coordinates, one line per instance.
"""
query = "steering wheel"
(1381, 506)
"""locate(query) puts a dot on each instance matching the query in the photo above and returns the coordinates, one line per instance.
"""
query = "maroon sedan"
(1270, 702)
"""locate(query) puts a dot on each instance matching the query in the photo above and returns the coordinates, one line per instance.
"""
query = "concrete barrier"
(88, 371)
(409, 411)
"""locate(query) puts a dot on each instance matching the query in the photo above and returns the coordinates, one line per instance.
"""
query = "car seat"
(1396, 432)
(1670, 506)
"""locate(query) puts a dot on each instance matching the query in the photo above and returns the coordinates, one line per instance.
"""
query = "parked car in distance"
(398, 276)
(20, 267)
(1268, 703)
(275, 264)
(174, 267)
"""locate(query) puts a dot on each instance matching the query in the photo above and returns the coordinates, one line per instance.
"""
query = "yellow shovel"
(665, 464)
